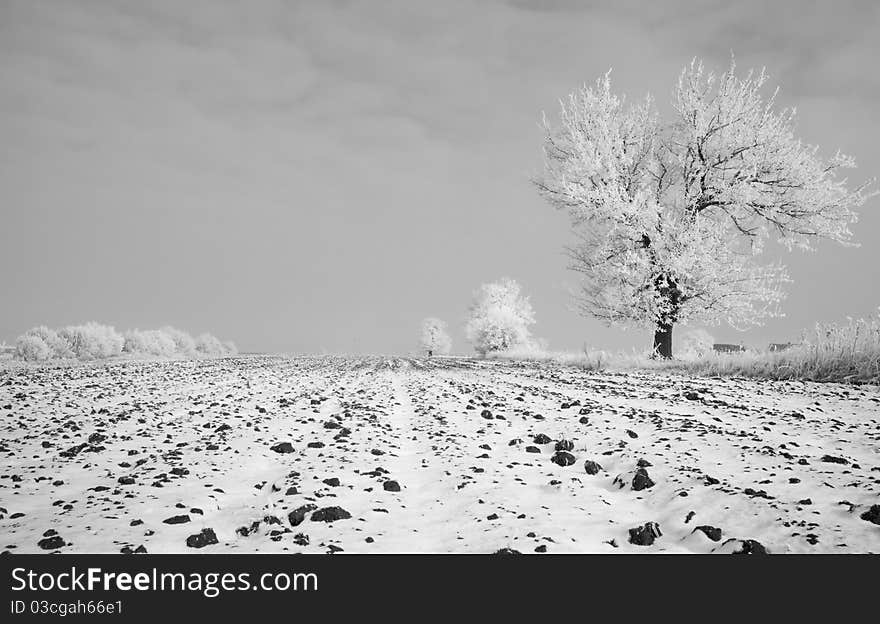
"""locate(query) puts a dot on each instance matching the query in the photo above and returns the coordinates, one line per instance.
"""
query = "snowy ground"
(149, 455)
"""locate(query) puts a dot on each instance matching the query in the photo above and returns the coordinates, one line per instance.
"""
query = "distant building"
(720, 347)
(781, 346)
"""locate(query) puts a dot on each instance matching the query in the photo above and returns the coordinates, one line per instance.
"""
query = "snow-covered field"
(376, 455)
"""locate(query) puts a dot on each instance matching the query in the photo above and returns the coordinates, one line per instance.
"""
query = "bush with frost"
(153, 342)
(58, 346)
(499, 318)
(31, 348)
(93, 340)
(208, 345)
(184, 344)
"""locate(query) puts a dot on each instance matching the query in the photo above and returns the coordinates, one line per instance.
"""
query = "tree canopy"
(672, 217)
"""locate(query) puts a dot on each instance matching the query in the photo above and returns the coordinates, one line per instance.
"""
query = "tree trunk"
(663, 341)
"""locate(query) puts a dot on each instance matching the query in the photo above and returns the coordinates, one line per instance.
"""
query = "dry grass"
(848, 353)
(588, 359)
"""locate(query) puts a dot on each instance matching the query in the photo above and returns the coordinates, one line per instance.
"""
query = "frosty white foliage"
(150, 342)
(435, 337)
(671, 218)
(58, 346)
(31, 348)
(184, 344)
(499, 317)
(93, 340)
(696, 344)
(209, 345)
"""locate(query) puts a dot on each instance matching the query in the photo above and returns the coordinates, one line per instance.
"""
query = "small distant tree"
(96, 341)
(153, 342)
(672, 217)
(209, 345)
(184, 344)
(499, 317)
(93, 340)
(435, 339)
(31, 348)
(59, 347)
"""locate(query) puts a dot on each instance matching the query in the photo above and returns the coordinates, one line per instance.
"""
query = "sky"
(319, 176)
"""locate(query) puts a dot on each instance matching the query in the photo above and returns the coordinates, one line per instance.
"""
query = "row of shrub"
(94, 341)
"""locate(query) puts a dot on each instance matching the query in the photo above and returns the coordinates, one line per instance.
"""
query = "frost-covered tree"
(210, 346)
(31, 348)
(499, 317)
(93, 340)
(671, 218)
(435, 338)
(184, 344)
(96, 341)
(153, 342)
(207, 344)
(58, 346)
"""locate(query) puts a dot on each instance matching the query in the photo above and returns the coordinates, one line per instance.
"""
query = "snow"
(737, 455)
